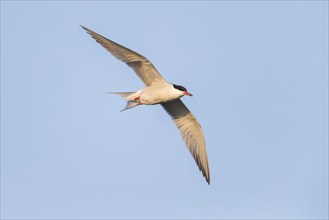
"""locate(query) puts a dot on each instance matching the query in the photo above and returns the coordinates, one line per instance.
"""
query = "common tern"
(159, 91)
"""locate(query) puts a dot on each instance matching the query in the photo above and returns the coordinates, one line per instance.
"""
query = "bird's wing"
(142, 66)
(191, 132)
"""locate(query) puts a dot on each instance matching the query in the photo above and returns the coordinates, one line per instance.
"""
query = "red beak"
(188, 94)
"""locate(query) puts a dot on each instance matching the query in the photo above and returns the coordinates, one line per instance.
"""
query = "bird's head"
(182, 89)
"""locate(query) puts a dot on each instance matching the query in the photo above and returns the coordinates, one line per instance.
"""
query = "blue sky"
(258, 71)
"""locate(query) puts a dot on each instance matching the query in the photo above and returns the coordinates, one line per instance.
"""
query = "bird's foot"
(137, 99)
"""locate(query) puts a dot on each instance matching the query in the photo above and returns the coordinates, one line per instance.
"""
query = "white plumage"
(159, 91)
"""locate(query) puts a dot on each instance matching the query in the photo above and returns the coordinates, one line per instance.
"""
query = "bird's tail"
(129, 96)
(131, 104)
(125, 95)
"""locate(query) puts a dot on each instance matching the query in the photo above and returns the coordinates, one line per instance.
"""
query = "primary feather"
(191, 132)
(142, 66)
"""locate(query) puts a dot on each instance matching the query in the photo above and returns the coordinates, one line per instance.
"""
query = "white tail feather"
(128, 96)
(124, 95)
(131, 104)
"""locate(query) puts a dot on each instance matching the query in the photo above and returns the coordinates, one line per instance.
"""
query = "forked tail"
(129, 96)
(124, 95)
(131, 104)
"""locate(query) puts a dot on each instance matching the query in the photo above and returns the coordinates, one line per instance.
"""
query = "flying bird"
(159, 91)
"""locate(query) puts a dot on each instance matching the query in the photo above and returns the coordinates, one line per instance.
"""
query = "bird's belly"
(154, 99)
(150, 100)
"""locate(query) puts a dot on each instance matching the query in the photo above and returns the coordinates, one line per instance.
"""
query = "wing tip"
(84, 27)
(208, 180)
(204, 170)
(90, 32)
(206, 176)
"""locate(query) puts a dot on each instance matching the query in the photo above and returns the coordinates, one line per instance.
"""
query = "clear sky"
(258, 71)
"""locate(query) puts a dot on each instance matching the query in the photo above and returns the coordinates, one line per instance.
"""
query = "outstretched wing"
(191, 132)
(141, 65)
